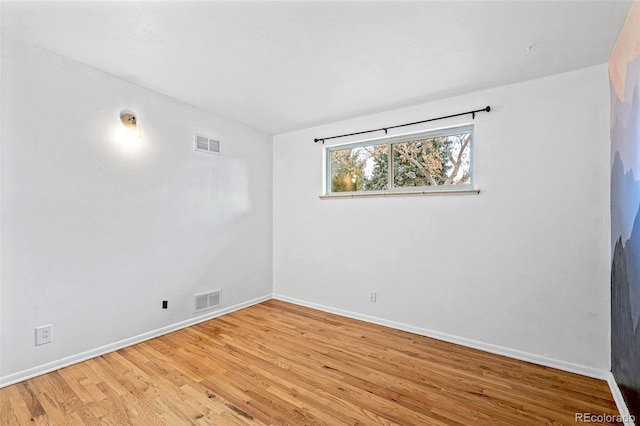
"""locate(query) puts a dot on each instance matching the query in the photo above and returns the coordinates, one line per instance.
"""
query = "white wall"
(522, 268)
(96, 234)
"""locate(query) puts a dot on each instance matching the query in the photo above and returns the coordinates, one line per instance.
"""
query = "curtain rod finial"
(488, 108)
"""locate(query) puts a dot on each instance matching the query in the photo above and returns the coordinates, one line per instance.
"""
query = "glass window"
(424, 161)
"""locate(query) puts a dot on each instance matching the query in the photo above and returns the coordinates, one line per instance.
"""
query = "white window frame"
(467, 188)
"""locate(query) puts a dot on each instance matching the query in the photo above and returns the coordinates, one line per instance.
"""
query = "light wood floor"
(278, 363)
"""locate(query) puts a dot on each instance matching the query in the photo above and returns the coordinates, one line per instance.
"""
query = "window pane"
(442, 160)
(360, 169)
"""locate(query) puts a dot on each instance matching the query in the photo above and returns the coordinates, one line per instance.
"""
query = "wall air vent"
(204, 301)
(206, 144)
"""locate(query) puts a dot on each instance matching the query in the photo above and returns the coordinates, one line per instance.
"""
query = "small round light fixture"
(131, 132)
(128, 119)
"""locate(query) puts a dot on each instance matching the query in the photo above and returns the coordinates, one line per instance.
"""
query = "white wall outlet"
(372, 296)
(43, 334)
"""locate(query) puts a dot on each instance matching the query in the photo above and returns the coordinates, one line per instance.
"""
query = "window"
(419, 162)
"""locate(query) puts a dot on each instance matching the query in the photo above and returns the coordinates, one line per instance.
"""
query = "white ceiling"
(282, 66)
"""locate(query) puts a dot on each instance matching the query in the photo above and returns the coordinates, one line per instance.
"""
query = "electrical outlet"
(43, 334)
(372, 296)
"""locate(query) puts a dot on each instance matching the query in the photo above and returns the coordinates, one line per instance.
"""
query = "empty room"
(320, 212)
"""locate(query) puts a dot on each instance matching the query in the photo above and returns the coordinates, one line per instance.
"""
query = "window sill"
(400, 193)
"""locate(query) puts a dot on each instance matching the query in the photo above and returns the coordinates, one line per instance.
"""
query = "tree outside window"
(425, 160)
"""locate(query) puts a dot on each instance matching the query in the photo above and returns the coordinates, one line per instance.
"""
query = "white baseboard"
(619, 400)
(83, 356)
(487, 347)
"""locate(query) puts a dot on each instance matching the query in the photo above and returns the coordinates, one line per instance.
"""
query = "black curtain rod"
(473, 115)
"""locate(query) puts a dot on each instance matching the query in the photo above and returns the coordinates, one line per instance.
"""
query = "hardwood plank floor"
(278, 363)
